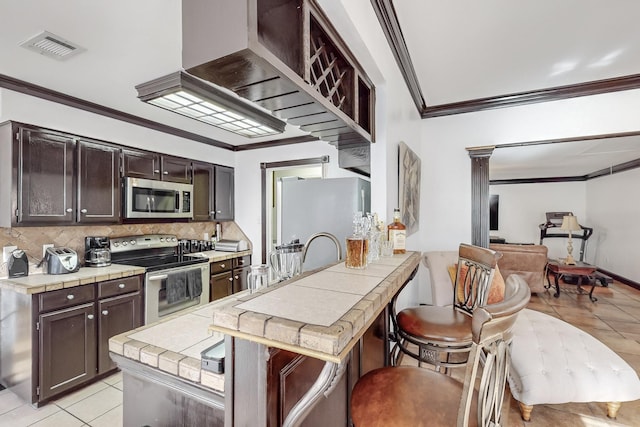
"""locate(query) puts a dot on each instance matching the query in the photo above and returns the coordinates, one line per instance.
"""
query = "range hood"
(285, 56)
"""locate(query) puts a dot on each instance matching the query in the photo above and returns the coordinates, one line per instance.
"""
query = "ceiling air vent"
(51, 45)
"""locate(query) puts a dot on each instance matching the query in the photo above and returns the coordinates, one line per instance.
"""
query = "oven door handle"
(158, 277)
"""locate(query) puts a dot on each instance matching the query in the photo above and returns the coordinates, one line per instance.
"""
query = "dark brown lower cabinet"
(67, 349)
(73, 327)
(221, 285)
(117, 315)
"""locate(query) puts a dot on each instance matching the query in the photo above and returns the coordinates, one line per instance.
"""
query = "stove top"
(153, 252)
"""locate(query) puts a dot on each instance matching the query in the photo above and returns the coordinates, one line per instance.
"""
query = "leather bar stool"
(442, 335)
(412, 396)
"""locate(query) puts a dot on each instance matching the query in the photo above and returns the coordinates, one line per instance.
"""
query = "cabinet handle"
(221, 265)
(156, 171)
(231, 279)
(84, 211)
(166, 172)
(70, 297)
(212, 213)
(90, 317)
(236, 277)
(105, 312)
(121, 285)
(218, 211)
(69, 210)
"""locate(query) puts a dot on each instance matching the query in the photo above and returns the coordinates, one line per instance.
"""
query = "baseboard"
(620, 279)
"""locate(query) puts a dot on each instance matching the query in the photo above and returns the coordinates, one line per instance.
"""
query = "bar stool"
(413, 396)
(442, 332)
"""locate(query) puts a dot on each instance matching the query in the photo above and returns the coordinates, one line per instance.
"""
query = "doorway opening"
(272, 176)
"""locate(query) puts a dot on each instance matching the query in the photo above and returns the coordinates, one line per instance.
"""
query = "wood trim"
(276, 143)
(530, 97)
(480, 195)
(620, 279)
(622, 167)
(390, 26)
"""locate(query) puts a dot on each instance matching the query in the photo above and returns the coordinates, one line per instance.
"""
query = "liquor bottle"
(397, 233)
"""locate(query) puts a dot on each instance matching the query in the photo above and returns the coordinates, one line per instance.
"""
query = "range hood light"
(187, 95)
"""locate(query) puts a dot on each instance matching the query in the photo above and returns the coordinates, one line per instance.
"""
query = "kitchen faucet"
(322, 234)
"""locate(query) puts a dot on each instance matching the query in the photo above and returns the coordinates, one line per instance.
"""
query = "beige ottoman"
(554, 362)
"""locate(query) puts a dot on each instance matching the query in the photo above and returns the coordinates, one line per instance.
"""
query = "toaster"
(61, 261)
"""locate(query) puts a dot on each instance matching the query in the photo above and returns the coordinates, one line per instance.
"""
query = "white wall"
(523, 206)
(613, 210)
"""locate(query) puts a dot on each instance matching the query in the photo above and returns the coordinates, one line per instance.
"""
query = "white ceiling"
(465, 50)
(461, 50)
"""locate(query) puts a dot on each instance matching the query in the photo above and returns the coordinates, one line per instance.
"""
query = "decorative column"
(480, 195)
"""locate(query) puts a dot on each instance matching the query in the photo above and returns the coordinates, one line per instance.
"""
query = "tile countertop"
(322, 314)
(37, 283)
(215, 256)
(174, 344)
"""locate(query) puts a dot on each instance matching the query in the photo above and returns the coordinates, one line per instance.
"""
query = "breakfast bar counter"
(287, 346)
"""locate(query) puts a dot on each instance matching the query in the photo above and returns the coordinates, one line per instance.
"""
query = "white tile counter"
(173, 345)
(319, 315)
(37, 283)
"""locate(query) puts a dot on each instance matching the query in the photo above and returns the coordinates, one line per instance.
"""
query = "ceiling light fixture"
(187, 95)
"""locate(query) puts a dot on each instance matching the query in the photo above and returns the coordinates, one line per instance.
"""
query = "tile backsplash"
(31, 239)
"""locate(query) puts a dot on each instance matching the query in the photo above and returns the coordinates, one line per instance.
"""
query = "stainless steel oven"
(173, 282)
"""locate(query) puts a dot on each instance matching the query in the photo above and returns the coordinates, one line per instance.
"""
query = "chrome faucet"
(322, 234)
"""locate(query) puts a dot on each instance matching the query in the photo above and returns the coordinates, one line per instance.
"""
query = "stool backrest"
(476, 267)
(492, 331)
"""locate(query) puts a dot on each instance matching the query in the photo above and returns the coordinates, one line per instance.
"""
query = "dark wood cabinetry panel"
(117, 315)
(67, 349)
(224, 191)
(221, 285)
(141, 164)
(151, 165)
(240, 280)
(176, 169)
(45, 177)
(203, 191)
(98, 183)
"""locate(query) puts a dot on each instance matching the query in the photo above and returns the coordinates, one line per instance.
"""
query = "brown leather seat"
(441, 324)
(440, 332)
(412, 396)
(420, 397)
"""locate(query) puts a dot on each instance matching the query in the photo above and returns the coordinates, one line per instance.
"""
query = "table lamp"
(570, 223)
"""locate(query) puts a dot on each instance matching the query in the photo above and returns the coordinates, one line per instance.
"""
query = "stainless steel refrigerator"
(309, 206)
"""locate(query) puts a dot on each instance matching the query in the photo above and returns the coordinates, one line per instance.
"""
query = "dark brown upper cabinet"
(287, 57)
(58, 178)
(213, 192)
(150, 165)
(99, 193)
(44, 177)
(224, 193)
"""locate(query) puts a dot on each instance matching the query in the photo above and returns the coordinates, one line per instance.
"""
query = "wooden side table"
(580, 269)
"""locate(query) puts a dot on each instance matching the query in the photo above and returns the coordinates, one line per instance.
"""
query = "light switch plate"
(6, 252)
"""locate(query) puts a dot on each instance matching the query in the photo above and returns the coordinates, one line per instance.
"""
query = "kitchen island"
(287, 346)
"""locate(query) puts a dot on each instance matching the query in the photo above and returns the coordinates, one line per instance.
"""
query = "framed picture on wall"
(409, 187)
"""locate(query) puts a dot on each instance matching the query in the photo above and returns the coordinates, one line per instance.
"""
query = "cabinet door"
(224, 193)
(141, 164)
(176, 169)
(203, 191)
(221, 285)
(98, 183)
(117, 315)
(45, 171)
(240, 282)
(67, 355)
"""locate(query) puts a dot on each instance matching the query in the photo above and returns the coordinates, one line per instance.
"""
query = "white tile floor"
(97, 405)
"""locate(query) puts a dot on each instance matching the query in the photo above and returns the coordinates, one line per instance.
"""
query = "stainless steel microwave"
(148, 198)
